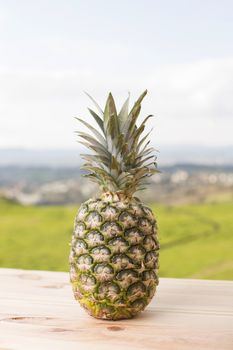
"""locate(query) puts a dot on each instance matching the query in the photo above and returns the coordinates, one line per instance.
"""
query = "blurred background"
(182, 52)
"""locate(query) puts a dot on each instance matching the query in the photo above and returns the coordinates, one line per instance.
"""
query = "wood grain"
(38, 312)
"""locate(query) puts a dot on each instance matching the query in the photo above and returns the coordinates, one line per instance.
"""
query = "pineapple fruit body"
(114, 256)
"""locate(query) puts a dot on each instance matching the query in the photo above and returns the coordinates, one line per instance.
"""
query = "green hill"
(196, 240)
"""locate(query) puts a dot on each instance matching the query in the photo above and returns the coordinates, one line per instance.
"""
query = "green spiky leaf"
(122, 159)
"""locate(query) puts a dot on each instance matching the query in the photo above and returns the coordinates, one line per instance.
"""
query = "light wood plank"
(37, 311)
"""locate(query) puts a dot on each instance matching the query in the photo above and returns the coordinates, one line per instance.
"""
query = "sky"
(51, 51)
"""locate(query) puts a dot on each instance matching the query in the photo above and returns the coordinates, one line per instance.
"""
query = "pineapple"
(114, 248)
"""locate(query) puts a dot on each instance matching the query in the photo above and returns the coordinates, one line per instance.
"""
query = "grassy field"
(196, 240)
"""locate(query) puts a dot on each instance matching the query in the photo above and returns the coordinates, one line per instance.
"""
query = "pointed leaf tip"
(95, 103)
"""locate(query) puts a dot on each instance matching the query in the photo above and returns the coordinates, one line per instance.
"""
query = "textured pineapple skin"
(114, 257)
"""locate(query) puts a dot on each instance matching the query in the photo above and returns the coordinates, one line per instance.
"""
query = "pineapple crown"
(121, 159)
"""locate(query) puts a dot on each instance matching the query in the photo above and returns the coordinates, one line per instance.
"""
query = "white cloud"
(197, 90)
(193, 102)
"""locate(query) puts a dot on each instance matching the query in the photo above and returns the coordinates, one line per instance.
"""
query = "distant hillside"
(46, 157)
(37, 175)
(168, 155)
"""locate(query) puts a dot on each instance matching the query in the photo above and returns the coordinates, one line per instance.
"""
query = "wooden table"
(37, 311)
